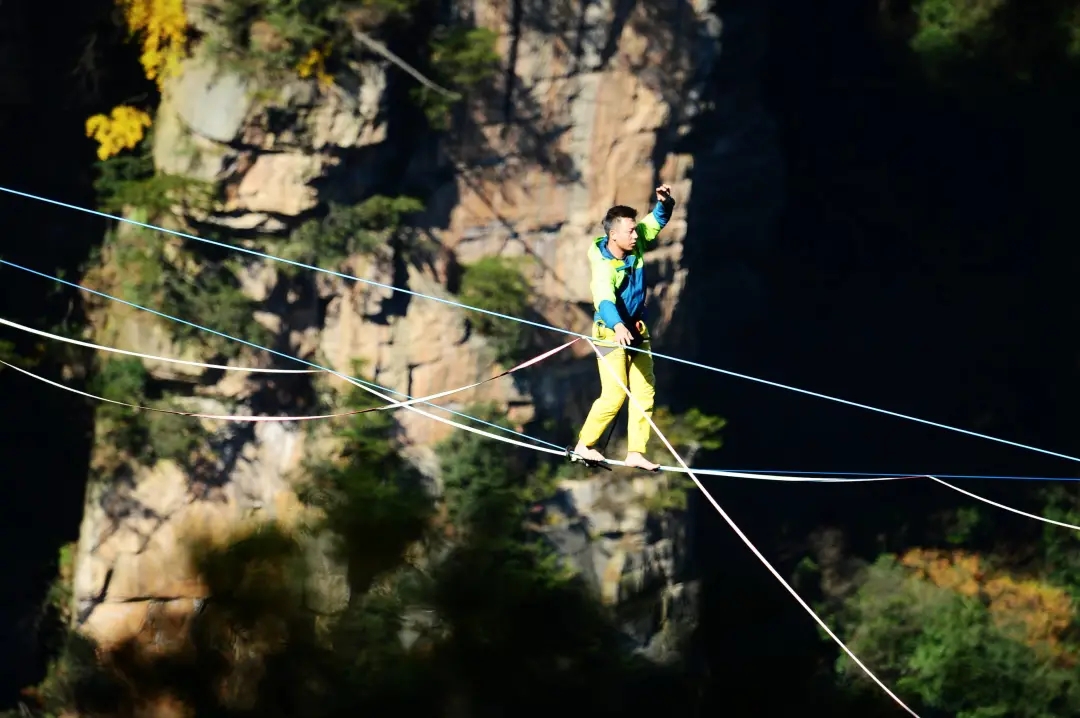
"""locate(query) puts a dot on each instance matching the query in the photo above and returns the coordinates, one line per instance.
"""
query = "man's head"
(620, 225)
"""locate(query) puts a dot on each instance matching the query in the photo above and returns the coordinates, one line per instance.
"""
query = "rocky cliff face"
(586, 113)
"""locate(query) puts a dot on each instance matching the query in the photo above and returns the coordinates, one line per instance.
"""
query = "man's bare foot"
(586, 453)
(638, 461)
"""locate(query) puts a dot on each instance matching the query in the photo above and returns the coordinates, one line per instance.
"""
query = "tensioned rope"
(743, 536)
(539, 325)
(253, 418)
(990, 477)
(357, 382)
(407, 405)
(1003, 506)
(879, 476)
(170, 360)
(364, 385)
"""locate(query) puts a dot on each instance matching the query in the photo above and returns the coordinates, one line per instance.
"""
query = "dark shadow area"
(920, 262)
(53, 74)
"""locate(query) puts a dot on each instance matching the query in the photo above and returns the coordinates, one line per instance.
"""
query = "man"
(618, 290)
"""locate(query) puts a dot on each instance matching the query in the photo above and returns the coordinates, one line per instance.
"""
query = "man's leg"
(642, 386)
(605, 407)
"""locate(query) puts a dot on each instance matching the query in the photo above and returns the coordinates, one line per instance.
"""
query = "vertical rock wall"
(588, 112)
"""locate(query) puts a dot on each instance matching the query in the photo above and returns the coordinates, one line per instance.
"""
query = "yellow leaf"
(122, 130)
(163, 26)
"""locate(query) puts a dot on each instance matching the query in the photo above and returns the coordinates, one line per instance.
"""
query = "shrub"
(497, 285)
(142, 436)
(126, 182)
(959, 638)
(460, 58)
(284, 36)
(7, 352)
(214, 298)
(122, 129)
(163, 26)
(348, 230)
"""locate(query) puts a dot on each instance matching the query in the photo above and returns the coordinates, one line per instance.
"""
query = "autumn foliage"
(161, 26)
(123, 129)
(1043, 612)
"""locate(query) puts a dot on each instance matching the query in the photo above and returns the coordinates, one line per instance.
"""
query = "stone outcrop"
(586, 115)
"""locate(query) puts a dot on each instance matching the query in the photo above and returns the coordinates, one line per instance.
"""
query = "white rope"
(1003, 506)
(251, 418)
(155, 358)
(745, 540)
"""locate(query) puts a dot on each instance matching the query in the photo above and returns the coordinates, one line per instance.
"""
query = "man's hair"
(619, 210)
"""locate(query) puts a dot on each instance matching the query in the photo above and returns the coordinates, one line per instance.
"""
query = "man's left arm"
(650, 226)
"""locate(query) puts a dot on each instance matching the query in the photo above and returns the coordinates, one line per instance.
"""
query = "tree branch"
(381, 49)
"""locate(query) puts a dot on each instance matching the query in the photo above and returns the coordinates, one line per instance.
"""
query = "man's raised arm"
(649, 227)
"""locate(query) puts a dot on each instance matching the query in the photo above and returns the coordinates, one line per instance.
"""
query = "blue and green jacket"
(618, 285)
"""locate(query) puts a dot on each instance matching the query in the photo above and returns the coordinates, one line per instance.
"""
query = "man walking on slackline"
(618, 289)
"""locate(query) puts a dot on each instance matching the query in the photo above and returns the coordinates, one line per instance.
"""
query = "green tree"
(947, 632)
(480, 623)
(461, 58)
(496, 284)
(348, 230)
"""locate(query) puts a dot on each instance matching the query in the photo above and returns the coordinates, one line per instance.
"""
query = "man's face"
(624, 234)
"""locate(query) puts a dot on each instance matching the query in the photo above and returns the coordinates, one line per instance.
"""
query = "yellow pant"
(635, 370)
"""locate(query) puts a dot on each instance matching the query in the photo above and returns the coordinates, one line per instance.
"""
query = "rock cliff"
(587, 111)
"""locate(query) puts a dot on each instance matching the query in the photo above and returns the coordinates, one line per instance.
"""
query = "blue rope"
(281, 354)
(914, 473)
(540, 325)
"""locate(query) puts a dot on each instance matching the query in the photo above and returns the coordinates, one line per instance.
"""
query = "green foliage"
(144, 436)
(138, 258)
(969, 38)
(210, 295)
(965, 521)
(214, 293)
(280, 36)
(121, 380)
(130, 181)
(308, 37)
(7, 353)
(461, 58)
(348, 230)
(1061, 546)
(954, 29)
(944, 648)
(689, 433)
(371, 497)
(497, 285)
(485, 487)
(60, 591)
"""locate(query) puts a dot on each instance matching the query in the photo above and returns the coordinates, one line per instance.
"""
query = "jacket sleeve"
(602, 286)
(650, 226)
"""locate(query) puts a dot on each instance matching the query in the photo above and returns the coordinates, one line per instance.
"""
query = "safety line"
(741, 535)
(170, 360)
(1003, 506)
(539, 325)
(356, 382)
(252, 418)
